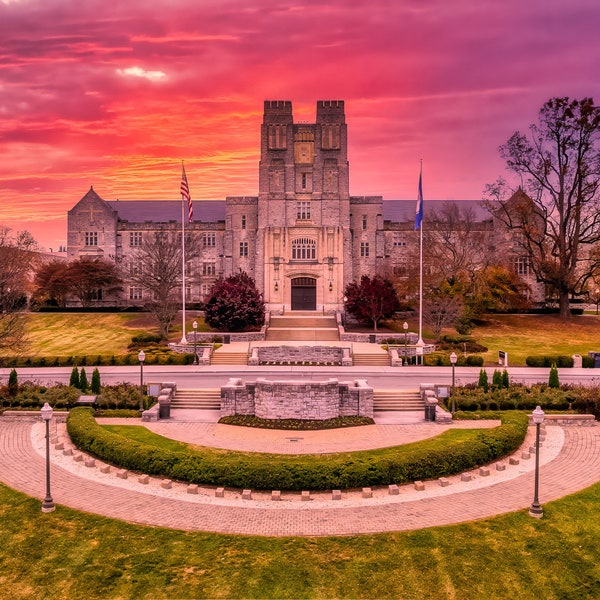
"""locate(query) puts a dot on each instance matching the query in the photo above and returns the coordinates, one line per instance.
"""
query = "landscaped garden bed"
(452, 452)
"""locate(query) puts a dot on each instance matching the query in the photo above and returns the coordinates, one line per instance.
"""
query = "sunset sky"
(115, 94)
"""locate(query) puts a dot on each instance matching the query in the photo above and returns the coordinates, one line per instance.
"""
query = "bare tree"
(17, 259)
(158, 271)
(557, 212)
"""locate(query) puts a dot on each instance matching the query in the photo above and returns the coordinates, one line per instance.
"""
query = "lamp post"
(405, 327)
(535, 510)
(48, 504)
(453, 359)
(195, 326)
(141, 358)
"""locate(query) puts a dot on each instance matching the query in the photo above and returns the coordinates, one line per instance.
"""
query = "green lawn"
(70, 554)
(60, 334)
(525, 335)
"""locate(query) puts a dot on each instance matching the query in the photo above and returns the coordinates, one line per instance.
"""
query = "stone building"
(302, 239)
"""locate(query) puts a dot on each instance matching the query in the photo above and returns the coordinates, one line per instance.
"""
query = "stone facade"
(302, 239)
(289, 399)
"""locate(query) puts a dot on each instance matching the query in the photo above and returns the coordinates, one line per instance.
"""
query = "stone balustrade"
(311, 355)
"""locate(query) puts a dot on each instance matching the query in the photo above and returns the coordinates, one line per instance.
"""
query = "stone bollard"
(367, 492)
(276, 495)
(444, 481)
(419, 486)
(465, 477)
(305, 496)
(144, 479)
(393, 489)
(220, 492)
(192, 488)
(336, 495)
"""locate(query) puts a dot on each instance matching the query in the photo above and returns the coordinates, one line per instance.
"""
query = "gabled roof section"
(166, 211)
(91, 198)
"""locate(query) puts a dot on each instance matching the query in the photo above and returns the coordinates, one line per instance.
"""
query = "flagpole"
(419, 217)
(183, 338)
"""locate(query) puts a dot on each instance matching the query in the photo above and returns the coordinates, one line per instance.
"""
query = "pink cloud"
(444, 81)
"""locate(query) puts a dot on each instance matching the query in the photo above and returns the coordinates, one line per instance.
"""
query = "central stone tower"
(303, 234)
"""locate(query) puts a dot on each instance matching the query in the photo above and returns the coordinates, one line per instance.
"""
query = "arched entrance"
(304, 293)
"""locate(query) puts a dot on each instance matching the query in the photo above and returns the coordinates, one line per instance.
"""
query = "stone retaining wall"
(319, 355)
(289, 399)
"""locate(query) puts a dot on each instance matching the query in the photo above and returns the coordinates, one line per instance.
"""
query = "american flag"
(185, 193)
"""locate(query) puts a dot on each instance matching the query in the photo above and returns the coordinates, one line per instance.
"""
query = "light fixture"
(142, 358)
(48, 504)
(535, 510)
(453, 359)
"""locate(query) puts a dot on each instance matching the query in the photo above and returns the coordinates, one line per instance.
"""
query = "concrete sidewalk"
(570, 461)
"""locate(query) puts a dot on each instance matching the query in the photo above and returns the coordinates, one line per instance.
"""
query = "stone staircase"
(379, 359)
(206, 399)
(222, 357)
(303, 327)
(397, 400)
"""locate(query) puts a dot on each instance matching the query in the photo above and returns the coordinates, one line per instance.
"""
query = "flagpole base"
(183, 340)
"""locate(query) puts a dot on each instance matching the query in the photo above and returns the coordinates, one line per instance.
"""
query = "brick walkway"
(570, 462)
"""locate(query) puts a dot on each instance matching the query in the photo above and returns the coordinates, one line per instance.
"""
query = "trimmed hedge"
(299, 472)
(442, 359)
(153, 357)
(516, 397)
(547, 361)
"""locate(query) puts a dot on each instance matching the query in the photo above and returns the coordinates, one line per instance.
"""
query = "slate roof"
(403, 211)
(210, 211)
(164, 211)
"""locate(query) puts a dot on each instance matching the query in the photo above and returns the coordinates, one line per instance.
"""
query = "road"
(191, 376)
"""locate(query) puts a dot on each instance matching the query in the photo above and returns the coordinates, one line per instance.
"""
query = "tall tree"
(371, 300)
(235, 304)
(557, 212)
(17, 260)
(51, 283)
(156, 268)
(85, 277)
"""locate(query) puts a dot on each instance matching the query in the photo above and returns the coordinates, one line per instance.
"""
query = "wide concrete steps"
(303, 328)
(397, 400)
(293, 322)
(205, 399)
(371, 360)
(302, 335)
(228, 358)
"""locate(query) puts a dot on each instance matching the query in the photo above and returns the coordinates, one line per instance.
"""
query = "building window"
(243, 221)
(135, 238)
(209, 239)
(303, 181)
(135, 293)
(243, 248)
(91, 238)
(277, 137)
(205, 290)
(303, 211)
(364, 221)
(523, 266)
(398, 241)
(134, 268)
(304, 249)
(209, 268)
(364, 248)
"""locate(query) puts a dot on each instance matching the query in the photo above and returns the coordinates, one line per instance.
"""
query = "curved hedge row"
(298, 472)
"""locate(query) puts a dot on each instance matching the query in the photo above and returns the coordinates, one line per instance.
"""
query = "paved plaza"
(569, 458)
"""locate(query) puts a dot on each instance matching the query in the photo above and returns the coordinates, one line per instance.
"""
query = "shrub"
(96, 385)
(13, 383)
(83, 381)
(505, 379)
(146, 338)
(547, 361)
(297, 472)
(474, 361)
(483, 380)
(74, 380)
(497, 379)
(553, 381)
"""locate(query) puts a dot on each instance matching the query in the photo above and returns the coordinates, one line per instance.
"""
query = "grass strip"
(75, 555)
